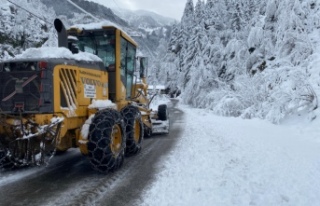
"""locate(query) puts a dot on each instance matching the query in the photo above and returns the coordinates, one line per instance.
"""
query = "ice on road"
(231, 161)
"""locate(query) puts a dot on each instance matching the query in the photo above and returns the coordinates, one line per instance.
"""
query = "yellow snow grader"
(51, 103)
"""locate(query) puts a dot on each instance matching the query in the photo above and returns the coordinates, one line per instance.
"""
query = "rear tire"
(106, 141)
(134, 129)
(163, 114)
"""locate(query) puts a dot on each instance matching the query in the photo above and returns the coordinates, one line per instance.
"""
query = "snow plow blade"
(160, 127)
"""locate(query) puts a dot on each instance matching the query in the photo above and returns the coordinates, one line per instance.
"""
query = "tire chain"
(130, 114)
(100, 154)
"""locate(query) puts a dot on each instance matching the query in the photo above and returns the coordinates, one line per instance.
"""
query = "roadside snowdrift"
(231, 161)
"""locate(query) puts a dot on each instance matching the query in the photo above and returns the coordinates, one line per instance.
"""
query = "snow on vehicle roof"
(100, 25)
(55, 53)
(96, 25)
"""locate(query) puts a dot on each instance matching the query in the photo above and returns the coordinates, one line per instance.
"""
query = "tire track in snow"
(93, 189)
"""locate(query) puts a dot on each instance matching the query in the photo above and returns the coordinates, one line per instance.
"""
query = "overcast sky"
(169, 8)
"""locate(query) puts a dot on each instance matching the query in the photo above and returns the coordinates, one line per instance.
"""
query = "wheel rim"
(137, 131)
(116, 140)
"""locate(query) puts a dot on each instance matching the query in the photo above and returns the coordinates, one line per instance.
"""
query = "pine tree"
(199, 12)
(188, 19)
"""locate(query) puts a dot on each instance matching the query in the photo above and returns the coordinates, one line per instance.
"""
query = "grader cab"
(86, 96)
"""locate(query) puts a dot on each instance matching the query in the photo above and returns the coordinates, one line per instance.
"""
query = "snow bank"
(54, 53)
(231, 161)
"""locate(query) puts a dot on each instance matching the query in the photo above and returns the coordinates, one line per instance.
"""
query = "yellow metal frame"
(70, 83)
(116, 140)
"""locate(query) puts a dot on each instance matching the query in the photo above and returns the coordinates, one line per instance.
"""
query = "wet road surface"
(69, 179)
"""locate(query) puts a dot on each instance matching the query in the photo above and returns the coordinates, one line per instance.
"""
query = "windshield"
(101, 44)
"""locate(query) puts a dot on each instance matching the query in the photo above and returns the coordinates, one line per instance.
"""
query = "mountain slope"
(143, 19)
(20, 29)
(148, 33)
(63, 7)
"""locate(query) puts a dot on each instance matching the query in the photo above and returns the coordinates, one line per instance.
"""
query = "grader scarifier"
(101, 106)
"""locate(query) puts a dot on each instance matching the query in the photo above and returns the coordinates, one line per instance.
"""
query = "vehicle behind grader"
(51, 104)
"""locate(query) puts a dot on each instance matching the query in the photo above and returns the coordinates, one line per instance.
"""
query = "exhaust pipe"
(62, 33)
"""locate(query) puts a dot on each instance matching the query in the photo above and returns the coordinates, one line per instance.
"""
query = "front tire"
(163, 114)
(106, 141)
(134, 129)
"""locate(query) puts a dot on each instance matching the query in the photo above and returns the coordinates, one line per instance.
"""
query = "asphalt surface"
(69, 179)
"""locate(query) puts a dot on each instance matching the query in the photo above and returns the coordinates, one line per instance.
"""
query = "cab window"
(128, 53)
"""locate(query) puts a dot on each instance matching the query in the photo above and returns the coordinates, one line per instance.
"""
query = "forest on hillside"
(24, 25)
(248, 58)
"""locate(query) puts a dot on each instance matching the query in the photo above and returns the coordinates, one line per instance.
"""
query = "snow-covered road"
(220, 161)
(231, 161)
